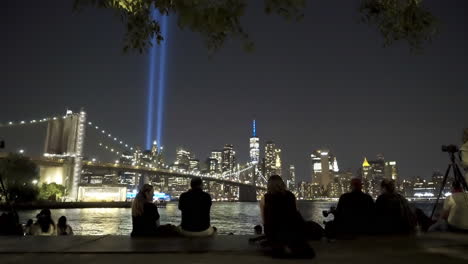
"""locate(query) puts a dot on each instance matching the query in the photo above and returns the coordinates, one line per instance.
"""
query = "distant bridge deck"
(429, 248)
(140, 169)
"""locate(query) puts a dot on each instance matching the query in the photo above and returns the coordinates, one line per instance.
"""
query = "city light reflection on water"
(238, 218)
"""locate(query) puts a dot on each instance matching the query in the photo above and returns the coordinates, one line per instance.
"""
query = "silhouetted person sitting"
(455, 209)
(393, 214)
(63, 229)
(195, 205)
(145, 215)
(27, 227)
(44, 225)
(282, 222)
(258, 230)
(354, 214)
(9, 224)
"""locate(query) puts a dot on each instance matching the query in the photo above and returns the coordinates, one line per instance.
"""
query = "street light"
(21, 151)
(34, 182)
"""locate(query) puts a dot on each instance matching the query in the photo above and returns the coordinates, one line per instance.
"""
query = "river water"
(236, 217)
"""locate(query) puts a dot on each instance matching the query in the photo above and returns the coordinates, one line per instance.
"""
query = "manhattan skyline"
(309, 85)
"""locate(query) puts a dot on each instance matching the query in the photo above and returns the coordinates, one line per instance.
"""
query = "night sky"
(324, 82)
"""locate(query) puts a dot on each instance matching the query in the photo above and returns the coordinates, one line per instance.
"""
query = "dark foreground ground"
(431, 248)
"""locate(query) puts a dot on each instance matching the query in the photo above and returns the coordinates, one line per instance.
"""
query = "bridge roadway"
(140, 169)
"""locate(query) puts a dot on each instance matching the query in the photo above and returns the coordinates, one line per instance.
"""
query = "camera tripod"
(457, 176)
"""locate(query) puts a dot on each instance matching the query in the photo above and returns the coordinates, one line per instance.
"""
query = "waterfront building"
(254, 145)
(182, 161)
(291, 179)
(272, 161)
(212, 165)
(324, 167)
(340, 184)
(391, 171)
(218, 156)
(278, 166)
(373, 172)
(194, 165)
(228, 158)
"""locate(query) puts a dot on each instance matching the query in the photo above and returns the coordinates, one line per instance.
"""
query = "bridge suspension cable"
(105, 133)
(30, 122)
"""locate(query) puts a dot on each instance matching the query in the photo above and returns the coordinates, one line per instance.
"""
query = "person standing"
(195, 205)
(145, 215)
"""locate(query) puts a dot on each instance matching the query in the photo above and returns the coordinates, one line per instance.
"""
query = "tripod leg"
(441, 189)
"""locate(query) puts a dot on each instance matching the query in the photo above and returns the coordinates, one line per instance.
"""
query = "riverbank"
(66, 205)
(429, 248)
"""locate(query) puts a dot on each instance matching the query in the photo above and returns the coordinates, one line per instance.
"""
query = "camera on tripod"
(450, 148)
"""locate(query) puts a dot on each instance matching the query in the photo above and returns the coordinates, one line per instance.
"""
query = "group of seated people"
(357, 214)
(284, 229)
(44, 225)
(195, 205)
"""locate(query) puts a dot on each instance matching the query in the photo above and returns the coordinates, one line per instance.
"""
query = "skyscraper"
(391, 171)
(254, 145)
(278, 166)
(373, 172)
(228, 158)
(324, 167)
(218, 156)
(291, 181)
(272, 159)
(182, 159)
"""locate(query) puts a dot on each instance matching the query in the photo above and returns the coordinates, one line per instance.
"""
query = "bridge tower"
(65, 139)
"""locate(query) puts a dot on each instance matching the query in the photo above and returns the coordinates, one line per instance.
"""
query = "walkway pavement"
(431, 248)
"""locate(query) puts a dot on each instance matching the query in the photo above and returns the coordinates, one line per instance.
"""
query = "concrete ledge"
(430, 248)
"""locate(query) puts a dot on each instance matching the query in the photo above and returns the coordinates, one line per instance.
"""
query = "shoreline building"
(228, 158)
(254, 145)
(374, 171)
(272, 160)
(324, 168)
(291, 180)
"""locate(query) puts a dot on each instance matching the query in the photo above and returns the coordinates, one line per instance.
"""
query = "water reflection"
(238, 218)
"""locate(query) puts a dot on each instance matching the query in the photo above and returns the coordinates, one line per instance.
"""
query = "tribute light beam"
(150, 106)
(162, 81)
(157, 76)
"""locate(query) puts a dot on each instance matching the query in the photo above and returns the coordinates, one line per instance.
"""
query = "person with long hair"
(283, 224)
(63, 229)
(44, 225)
(393, 214)
(145, 215)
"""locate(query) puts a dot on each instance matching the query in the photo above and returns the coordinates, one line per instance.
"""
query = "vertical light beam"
(151, 84)
(162, 80)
